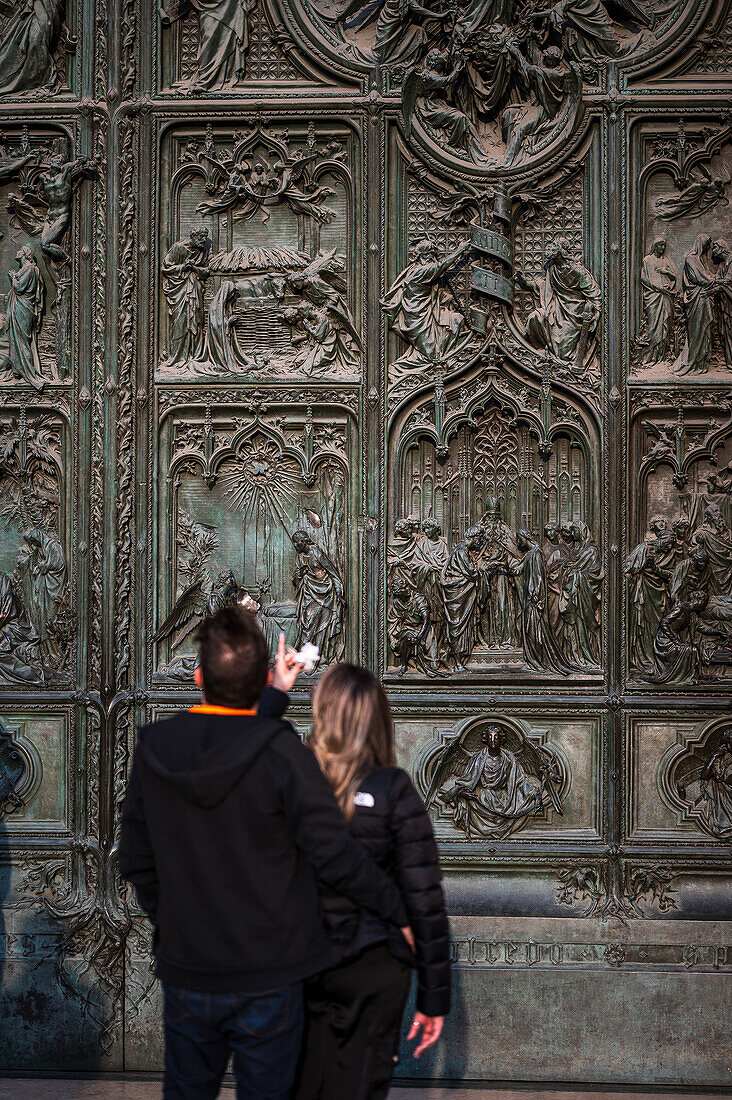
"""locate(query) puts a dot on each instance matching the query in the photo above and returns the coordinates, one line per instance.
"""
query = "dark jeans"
(262, 1030)
(353, 1017)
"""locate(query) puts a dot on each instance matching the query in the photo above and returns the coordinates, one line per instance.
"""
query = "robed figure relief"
(321, 599)
(28, 46)
(499, 786)
(568, 306)
(184, 272)
(423, 310)
(223, 36)
(698, 281)
(23, 317)
(658, 283)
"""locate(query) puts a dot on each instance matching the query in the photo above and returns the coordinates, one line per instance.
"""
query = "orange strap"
(208, 708)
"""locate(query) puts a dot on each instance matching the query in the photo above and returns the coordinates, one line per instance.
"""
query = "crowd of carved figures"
(680, 591)
(497, 591)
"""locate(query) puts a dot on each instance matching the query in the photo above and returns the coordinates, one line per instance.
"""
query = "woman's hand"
(408, 934)
(431, 1031)
(286, 669)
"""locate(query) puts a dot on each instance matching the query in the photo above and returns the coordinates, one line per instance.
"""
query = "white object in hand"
(308, 657)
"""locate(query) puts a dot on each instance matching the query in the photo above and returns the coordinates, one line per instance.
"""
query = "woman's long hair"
(353, 730)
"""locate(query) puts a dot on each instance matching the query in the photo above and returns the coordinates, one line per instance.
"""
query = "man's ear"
(198, 677)
(270, 678)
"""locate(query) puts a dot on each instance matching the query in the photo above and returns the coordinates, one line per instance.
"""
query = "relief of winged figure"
(498, 786)
(323, 282)
(255, 186)
(702, 193)
(196, 603)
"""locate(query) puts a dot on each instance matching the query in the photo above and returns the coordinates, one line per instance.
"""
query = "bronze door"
(413, 323)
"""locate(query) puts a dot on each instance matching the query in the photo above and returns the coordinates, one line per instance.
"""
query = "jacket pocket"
(267, 1014)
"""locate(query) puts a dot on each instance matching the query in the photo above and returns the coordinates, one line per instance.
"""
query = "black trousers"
(353, 1016)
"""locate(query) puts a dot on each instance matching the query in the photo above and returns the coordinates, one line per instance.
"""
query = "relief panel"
(679, 571)
(257, 506)
(259, 275)
(40, 178)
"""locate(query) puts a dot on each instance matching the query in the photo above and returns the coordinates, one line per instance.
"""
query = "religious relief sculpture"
(683, 327)
(493, 83)
(424, 310)
(223, 41)
(278, 309)
(38, 298)
(260, 520)
(500, 779)
(680, 588)
(321, 600)
(34, 40)
(568, 307)
(497, 596)
(700, 778)
(36, 624)
(659, 286)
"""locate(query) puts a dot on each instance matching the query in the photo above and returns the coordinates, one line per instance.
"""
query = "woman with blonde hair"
(354, 1010)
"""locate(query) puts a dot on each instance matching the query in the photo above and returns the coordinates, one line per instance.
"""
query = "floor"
(24, 1089)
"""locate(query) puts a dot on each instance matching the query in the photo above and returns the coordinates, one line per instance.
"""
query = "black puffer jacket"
(391, 823)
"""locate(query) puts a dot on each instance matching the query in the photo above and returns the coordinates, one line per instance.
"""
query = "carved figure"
(421, 308)
(410, 629)
(321, 599)
(42, 570)
(11, 165)
(658, 282)
(429, 83)
(568, 308)
(24, 314)
(700, 195)
(402, 551)
(677, 656)
(223, 39)
(193, 605)
(28, 45)
(20, 655)
(184, 270)
(591, 34)
(464, 591)
(251, 188)
(699, 284)
(581, 599)
(541, 651)
(648, 570)
(692, 574)
(400, 29)
(48, 214)
(555, 555)
(716, 790)
(219, 348)
(428, 562)
(714, 536)
(324, 341)
(498, 787)
(722, 255)
(552, 83)
(498, 557)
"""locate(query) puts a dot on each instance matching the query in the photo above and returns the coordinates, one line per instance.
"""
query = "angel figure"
(499, 786)
(255, 187)
(195, 604)
(701, 194)
(665, 441)
(323, 283)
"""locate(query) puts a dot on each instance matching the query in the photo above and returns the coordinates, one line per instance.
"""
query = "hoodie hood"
(209, 756)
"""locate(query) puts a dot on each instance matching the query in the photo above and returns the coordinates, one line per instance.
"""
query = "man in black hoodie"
(227, 827)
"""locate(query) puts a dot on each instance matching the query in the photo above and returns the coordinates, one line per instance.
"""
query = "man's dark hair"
(234, 658)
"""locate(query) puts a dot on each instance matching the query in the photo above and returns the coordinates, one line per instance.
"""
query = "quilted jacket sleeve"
(418, 876)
